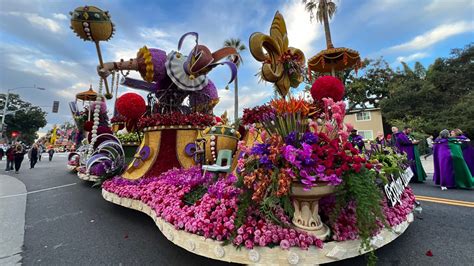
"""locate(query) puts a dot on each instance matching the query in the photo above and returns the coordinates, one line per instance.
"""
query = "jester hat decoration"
(189, 72)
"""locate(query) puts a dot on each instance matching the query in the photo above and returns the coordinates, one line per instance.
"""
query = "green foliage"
(361, 189)
(26, 119)
(432, 100)
(194, 195)
(130, 137)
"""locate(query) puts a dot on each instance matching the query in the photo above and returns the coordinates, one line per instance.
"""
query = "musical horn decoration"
(281, 65)
(92, 24)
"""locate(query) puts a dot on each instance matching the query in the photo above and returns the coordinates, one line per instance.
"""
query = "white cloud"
(445, 6)
(60, 16)
(434, 36)
(301, 32)
(152, 33)
(39, 21)
(412, 57)
(247, 98)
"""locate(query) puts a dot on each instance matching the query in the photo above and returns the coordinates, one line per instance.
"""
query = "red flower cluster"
(257, 114)
(327, 87)
(336, 156)
(131, 105)
(177, 119)
(118, 118)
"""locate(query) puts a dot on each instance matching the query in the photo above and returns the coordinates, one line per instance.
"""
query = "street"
(67, 222)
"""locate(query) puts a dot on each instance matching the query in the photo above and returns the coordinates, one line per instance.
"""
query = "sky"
(38, 47)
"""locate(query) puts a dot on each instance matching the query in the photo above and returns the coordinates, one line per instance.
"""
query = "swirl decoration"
(282, 65)
(108, 158)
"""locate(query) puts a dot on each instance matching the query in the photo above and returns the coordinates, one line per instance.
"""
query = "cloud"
(412, 57)
(301, 32)
(60, 16)
(247, 98)
(434, 36)
(39, 21)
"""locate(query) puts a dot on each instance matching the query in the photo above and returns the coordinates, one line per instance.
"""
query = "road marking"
(37, 191)
(461, 203)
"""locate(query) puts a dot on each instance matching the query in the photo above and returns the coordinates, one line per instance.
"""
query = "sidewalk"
(12, 218)
(428, 166)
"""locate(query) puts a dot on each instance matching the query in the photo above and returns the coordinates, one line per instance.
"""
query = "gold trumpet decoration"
(282, 65)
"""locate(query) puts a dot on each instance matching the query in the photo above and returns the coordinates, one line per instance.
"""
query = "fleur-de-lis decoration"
(282, 65)
(141, 156)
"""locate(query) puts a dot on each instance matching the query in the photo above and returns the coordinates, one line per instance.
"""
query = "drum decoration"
(217, 138)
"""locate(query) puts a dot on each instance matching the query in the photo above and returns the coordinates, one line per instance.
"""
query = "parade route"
(68, 222)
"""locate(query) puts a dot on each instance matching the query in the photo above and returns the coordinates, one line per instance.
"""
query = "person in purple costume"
(356, 140)
(405, 145)
(467, 148)
(450, 169)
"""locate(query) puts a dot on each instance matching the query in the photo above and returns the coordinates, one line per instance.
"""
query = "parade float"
(288, 188)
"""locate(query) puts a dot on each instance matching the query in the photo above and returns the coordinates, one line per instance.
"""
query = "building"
(367, 122)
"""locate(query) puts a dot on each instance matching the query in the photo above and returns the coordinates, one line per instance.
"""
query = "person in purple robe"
(356, 140)
(405, 145)
(466, 146)
(450, 168)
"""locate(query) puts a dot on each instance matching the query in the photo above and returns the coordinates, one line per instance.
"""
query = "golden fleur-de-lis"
(282, 65)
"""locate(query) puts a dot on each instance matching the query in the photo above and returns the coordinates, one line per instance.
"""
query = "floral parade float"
(298, 191)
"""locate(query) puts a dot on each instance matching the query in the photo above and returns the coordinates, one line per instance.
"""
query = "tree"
(324, 10)
(239, 46)
(24, 118)
(441, 97)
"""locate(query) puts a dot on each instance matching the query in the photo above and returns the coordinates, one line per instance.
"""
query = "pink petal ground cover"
(213, 215)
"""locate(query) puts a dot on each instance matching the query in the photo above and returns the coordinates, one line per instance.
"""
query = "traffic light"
(15, 134)
(55, 106)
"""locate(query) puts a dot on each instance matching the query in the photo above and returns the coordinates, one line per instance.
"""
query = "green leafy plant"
(130, 137)
(361, 189)
(194, 195)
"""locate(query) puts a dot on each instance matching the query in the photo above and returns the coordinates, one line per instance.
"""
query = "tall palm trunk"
(236, 99)
(327, 31)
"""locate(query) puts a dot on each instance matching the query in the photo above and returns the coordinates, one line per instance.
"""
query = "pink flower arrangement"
(345, 228)
(213, 215)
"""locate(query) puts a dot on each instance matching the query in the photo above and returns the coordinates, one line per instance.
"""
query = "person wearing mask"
(33, 154)
(19, 154)
(10, 158)
(429, 143)
(51, 153)
(405, 144)
(380, 139)
(356, 140)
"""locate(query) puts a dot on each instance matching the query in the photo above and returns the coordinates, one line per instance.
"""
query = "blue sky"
(37, 46)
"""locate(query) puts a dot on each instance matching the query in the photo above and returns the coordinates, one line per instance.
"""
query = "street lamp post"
(5, 106)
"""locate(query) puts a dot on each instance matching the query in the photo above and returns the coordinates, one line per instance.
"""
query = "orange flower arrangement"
(291, 106)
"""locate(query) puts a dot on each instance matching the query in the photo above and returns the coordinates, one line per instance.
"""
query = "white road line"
(36, 191)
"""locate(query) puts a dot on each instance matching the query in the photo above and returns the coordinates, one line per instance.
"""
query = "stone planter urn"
(306, 204)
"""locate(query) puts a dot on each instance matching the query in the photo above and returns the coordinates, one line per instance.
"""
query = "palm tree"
(239, 46)
(325, 9)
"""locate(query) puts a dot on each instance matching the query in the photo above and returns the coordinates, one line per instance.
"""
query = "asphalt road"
(69, 223)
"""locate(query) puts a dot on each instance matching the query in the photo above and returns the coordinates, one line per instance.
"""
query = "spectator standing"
(19, 154)
(51, 153)
(429, 142)
(33, 156)
(10, 158)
